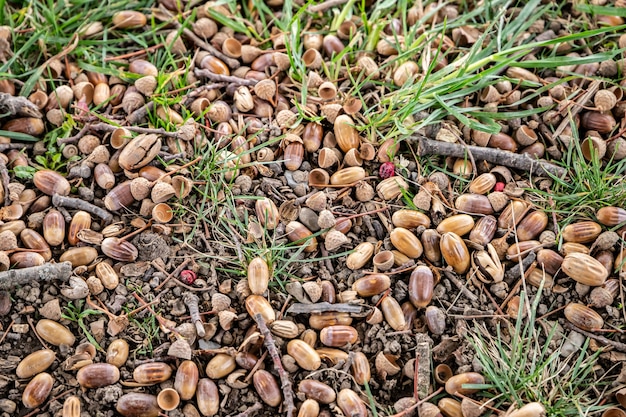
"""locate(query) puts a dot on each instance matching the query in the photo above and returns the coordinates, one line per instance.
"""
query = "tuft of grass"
(522, 363)
(590, 186)
(76, 313)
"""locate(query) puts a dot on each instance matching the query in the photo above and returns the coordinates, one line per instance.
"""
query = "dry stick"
(76, 137)
(9, 146)
(32, 326)
(18, 106)
(232, 63)
(17, 277)
(509, 159)
(268, 341)
(250, 410)
(301, 308)
(574, 107)
(169, 276)
(223, 78)
(617, 345)
(460, 286)
(408, 411)
(105, 127)
(191, 300)
(326, 5)
(77, 204)
(7, 331)
(136, 116)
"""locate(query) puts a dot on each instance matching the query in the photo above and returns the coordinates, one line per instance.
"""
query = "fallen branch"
(77, 204)
(268, 341)
(18, 106)
(301, 308)
(46, 272)
(509, 159)
(223, 78)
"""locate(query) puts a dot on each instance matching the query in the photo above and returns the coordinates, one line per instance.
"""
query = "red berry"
(188, 276)
(499, 186)
(387, 169)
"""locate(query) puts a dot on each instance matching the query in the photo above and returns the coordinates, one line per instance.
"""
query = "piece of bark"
(301, 308)
(496, 156)
(17, 277)
(18, 106)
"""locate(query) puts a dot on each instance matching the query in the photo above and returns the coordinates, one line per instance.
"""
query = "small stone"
(20, 328)
(7, 406)
(51, 310)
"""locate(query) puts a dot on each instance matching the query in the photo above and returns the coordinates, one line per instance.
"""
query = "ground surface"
(287, 144)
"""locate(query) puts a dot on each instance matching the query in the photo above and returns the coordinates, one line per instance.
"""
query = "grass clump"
(522, 362)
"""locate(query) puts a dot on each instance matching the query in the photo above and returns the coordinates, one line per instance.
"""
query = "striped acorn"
(584, 269)
(532, 225)
(410, 219)
(258, 275)
(421, 286)
(583, 317)
(455, 252)
(406, 242)
(460, 224)
(345, 133)
(581, 232)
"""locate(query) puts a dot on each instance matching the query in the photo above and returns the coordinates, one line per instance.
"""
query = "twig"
(617, 345)
(460, 286)
(326, 5)
(18, 106)
(75, 203)
(574, 107)
(516, 270)
(7, 331)
(191, 300)
(34, 329)
(169, 276)
(136, 116)
(9, 146)
(250, 410)
(268, 341)
(408, 411)
(105, 127)
(17, 277)
(4, 173)
(509, 159)
(74, 138)
(223, 78)
(301, 308)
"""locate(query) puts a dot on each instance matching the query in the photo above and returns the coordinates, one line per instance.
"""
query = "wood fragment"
(509, 159)
(301, 308)
(223, 78)
(191, 301)
(467, 293)
(617, 345)
(78, 204)
(17, 106)
(250, 411)
(17, 277)
(139, 114)
(423, 365)
(325, 5)
(517, 270)
(270, 345)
